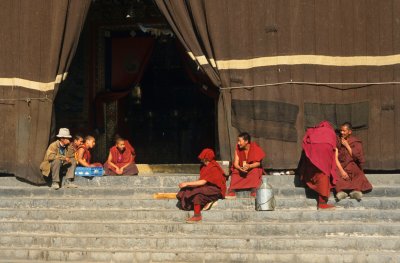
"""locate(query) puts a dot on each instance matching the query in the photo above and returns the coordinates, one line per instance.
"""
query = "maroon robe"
(317, 168)
(353, 166)
(121, 159)
(214, 189)
(251, 179)
(87, 156)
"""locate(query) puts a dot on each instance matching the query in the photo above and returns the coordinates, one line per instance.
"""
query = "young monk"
(121, 159)
(84, 156)
(247, 169)
(317, 169)
(202, 194)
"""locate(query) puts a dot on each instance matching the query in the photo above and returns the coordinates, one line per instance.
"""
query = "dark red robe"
(317, 168)
(87, 156)
(121, 159)
(353, 166)
(214, 189)
(251, 179)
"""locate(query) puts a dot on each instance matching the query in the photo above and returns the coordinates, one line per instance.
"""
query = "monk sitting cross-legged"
(83, 154)
(247, 170)
(202, 194)
(121, 159)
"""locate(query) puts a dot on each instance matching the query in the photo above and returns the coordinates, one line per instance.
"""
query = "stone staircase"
(116, 219)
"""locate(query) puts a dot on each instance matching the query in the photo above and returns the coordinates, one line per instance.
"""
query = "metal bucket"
(265, 200)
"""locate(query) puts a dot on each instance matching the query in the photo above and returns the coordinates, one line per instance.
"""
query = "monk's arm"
(236, 162)
(343, 173)
(254, 165)
(192, 184)
(82, 161)
(109, 161)
(129, 162)
(347, 145)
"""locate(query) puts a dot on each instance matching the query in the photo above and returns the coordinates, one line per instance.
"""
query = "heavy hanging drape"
(283, 66)
(37, 43)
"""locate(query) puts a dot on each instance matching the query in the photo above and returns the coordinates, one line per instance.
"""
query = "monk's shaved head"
(89, 138)
(245, 136)
(348, 126)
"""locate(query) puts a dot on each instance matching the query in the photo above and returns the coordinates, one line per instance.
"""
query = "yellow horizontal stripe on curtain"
(30, 84)
(300, 60)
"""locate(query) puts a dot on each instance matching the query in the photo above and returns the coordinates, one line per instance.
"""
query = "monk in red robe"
(83, 154)
(351, 157)
(201, 194)
(247, 169)
(317, 168)
(121, 159)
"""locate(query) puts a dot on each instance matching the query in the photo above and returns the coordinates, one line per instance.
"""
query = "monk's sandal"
(194, 219)
(356, 195)
(341, 195)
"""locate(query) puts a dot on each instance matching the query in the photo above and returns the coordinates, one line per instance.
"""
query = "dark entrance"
(166, 116)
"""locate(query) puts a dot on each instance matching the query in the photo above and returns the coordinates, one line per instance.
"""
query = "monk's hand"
(182, 185)
(345, 176)
(345, 143)
(246, 167)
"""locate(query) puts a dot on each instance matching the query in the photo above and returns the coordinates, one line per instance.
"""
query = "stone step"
(142, 192)
(172, 180)
(205, 242)
(153, 227)
(198, 255)
(237, 215)
(383, 203)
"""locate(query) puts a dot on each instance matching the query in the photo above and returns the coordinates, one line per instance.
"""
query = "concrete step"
(199, 255)
(152, 227)
(142, 192)
(237, 215)
(172, 180)
(112, 202)
(188, 242)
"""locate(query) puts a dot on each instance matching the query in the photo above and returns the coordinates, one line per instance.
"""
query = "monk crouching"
(353, 181)
(202, 194)
(317, 168)
(121, 159)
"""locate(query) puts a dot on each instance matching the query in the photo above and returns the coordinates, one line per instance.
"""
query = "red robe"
(214, 189)
(87, 156)
(353, 167)
(317, 168)
(251, 179)
(120, 160)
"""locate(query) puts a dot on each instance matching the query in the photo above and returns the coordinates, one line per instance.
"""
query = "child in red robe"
(202, 194)
(121, 159)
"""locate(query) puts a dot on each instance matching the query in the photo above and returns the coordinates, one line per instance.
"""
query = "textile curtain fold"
(38, 41)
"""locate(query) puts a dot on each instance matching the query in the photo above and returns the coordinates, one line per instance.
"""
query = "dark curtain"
(38, 40)
(275, 60)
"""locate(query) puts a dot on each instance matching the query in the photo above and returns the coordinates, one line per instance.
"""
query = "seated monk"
(83, 155)
(317, 167)
(353, 181)
(202, 194)
(121, 159)
(247, 169)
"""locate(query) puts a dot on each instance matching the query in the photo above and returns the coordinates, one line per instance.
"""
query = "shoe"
(230, 195)
(70, 184)
(356, 195)
(325, 206)
(194, 219)
(209, 205)
(55, 185)
(341, 195)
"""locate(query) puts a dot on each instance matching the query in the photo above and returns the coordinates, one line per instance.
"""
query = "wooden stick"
(164, 196)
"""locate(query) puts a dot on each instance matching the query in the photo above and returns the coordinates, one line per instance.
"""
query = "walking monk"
(202, 194)
(247, 169)
(351, 158)
(121, 159)
(317, 168)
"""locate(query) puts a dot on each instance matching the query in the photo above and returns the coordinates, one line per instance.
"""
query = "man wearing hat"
(59, 156)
